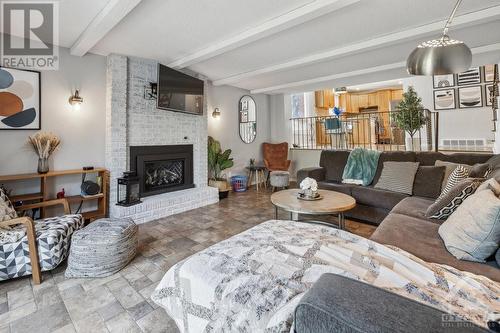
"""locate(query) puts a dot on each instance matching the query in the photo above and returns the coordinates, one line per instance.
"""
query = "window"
(298, 106)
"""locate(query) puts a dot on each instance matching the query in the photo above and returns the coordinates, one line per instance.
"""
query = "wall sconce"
(216, 113)
(75, 101)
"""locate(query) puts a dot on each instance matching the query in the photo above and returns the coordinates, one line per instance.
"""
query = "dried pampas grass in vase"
(44, 144)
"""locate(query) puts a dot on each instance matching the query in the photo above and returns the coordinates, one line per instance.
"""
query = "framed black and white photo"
(444, 99)
(20, 97)
(489, 73)
(487, 91)
(472, 76)
(444, 81)
(470, 97)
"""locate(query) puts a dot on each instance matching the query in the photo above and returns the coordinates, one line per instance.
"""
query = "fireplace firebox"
(162, 168)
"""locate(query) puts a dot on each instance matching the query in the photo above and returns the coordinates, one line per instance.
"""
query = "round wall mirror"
(247, 119)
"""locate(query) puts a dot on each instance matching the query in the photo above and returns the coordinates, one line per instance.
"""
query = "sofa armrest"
(339, 304)
(63, 202)
(317, 173)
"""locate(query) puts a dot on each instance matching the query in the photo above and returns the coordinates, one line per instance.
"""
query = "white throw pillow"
(472, 232)
(490, 184)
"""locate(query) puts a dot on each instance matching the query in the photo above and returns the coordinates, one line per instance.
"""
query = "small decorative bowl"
(309, 195)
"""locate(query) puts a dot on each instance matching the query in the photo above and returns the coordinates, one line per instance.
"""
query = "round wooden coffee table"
(332, 203)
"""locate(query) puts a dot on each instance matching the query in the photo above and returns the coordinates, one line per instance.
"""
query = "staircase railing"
(372, 130)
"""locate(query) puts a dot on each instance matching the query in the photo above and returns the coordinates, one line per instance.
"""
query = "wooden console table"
(43, 195)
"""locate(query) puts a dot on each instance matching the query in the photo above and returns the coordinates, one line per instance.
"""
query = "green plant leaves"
(217, 160)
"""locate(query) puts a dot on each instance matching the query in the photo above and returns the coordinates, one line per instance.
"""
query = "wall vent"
(464, 143)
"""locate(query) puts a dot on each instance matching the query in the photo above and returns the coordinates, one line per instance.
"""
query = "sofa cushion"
(394, 156)
(497, 257)
(445, 205)
(414, 206)
(428, 181)
(334, 162)
(398, 177)
(375, 197)
(472, 232)
(335, 186)
(421, 238)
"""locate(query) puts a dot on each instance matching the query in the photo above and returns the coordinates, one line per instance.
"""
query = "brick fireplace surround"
(132, 120)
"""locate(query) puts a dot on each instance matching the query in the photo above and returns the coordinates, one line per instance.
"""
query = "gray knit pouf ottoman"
(102, 248)
(279, 179)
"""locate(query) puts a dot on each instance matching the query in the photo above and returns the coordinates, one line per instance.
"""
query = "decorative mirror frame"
(240, 110)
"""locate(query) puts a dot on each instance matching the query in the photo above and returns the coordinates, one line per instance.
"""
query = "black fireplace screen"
(159, 174)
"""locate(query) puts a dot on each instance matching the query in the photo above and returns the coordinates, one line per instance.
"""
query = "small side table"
(259, 173)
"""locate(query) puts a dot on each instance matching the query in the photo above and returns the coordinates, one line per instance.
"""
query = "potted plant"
(44, 144)
(217, 162)
(410, 115)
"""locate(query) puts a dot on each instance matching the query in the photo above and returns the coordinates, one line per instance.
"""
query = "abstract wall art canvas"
(444, 81)
(489, 73)
(444, 99)
(472, 76)
(470, 97)
(20, 94)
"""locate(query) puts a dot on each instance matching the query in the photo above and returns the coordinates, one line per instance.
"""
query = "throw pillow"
(490, 184)
(472, 232)
(398, 177)
(460, 173)
(428, 181)
(7, 211)
(445, 205)
(450, 166)
(480, 170)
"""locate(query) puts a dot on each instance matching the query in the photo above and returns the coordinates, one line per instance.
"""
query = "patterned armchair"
(276, 156)
(29, 247)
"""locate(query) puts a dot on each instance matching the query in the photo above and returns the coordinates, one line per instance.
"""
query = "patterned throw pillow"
(398, 177)
(445, 205)
(7, 211)
(460, 173)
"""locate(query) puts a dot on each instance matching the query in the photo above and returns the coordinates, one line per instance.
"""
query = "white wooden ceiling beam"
(107, 19)
(382, 41)
(290, 19)
(402, 64)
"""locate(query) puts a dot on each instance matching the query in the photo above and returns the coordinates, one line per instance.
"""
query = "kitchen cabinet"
(362, 100)
(372, 99)
(354, 103)
(324, 99)
(397, 94)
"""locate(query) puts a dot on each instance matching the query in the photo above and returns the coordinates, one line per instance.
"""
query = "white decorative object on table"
(309, 188)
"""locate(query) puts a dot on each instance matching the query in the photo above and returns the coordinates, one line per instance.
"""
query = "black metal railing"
(377, 130)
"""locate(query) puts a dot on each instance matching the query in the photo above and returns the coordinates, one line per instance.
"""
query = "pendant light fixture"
(440, 56)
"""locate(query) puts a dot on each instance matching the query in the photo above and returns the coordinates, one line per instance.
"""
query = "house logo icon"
(30, 34)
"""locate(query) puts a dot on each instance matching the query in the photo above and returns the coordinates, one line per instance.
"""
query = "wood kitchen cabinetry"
(324, 99)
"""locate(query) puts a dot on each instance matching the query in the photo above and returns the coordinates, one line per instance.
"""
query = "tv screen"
(179, 92)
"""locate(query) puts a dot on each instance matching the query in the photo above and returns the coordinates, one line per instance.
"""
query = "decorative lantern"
(128, 193)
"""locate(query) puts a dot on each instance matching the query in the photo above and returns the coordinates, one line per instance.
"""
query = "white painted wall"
(81, 132)
(225, 128)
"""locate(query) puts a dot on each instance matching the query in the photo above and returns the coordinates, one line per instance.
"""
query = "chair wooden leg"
(33, 249)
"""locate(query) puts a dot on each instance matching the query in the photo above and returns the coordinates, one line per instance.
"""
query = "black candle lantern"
(128, 193)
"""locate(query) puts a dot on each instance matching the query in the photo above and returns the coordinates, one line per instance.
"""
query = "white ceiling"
(289, 56)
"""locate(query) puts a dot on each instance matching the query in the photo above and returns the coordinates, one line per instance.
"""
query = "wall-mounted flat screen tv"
(179, 92)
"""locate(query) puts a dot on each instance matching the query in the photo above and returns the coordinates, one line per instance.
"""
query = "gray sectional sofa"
(401, 218)
(337, 304)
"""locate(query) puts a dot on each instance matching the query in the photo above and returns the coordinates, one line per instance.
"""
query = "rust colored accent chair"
(276, 156)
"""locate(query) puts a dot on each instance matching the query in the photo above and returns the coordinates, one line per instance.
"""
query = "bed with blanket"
(253, 281)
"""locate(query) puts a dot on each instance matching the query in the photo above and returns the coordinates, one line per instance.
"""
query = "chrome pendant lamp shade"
(440, 56)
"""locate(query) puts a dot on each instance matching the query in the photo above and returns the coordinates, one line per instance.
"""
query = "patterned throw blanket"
(361, 167)
(253, 281)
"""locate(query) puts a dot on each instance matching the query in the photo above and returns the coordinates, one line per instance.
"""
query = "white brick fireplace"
(132, 120)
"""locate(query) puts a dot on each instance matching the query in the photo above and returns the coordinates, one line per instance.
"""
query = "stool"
(279, 179)
(102, 248)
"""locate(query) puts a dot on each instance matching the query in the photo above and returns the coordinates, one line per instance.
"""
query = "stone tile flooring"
(121, 303)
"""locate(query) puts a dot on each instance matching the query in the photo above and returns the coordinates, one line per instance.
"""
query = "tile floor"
(121, 303)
